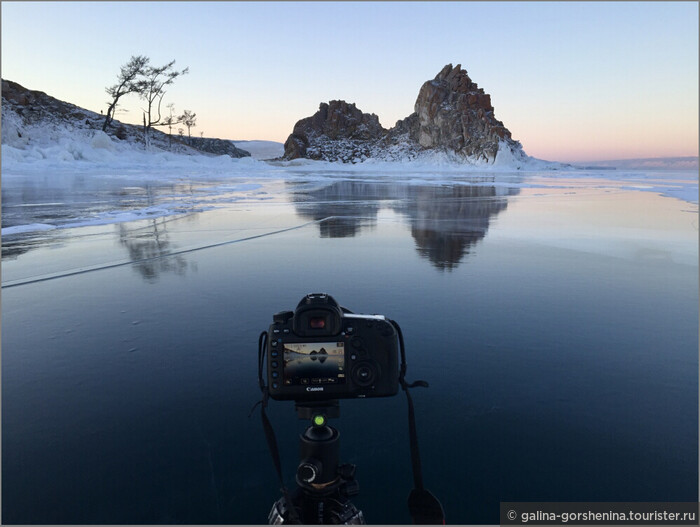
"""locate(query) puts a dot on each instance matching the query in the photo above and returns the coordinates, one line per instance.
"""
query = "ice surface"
(30, 155)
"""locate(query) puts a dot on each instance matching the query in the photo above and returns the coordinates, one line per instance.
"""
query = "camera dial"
(364, 373)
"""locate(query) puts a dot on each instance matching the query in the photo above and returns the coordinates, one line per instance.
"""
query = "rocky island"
(452, 115)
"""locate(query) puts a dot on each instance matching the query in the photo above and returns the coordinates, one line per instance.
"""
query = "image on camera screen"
(313, 363)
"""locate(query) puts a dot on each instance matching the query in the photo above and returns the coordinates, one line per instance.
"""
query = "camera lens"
(317, 322)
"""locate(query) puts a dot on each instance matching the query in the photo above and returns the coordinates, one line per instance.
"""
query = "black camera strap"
(269, 431)
(424, 508)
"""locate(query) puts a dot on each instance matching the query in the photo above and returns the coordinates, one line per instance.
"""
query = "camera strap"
(269, 431)
(424, 508)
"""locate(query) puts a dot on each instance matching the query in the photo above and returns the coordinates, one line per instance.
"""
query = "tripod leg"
(280, 512)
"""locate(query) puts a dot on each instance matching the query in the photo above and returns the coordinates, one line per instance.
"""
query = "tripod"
(324, 486)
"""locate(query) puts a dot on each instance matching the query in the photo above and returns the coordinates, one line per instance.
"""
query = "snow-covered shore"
(66, 147)
(53, 153)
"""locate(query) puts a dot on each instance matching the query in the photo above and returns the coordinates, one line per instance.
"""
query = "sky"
(572, 81)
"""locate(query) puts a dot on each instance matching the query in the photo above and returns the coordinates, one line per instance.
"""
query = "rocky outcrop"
(456, 115)
(337, 131)
(451, 114)
(216, 146)
(23, 109)
(36, 106)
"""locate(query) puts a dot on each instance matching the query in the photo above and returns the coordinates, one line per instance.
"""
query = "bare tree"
(126, 83)
(171, 121)
(151, 88)
(189, 119)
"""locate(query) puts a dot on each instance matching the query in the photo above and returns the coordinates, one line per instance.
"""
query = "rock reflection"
(65, 199)
(15, 246)
(351, 206)
(149, 248)
(446, 220)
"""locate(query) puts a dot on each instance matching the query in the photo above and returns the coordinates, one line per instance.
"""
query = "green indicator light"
(319, 420)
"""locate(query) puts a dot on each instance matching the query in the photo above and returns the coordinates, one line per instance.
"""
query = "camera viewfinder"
(317, 322)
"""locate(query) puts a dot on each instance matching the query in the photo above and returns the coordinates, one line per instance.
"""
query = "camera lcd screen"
(314, 363)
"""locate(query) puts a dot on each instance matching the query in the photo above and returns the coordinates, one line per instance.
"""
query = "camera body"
(320, 352)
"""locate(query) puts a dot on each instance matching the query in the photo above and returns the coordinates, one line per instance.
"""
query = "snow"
(432, 162)
(34, 153)
(102, 140)
(31, 227)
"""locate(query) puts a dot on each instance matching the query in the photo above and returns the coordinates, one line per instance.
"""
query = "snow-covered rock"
(37, 125)
(452, 117)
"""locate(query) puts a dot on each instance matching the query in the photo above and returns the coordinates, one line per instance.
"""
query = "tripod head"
(319, 447)
(313, 410)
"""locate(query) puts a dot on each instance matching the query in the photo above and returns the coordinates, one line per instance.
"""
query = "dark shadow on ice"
(446, 220)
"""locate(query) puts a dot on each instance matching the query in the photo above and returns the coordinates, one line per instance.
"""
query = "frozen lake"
(555, 316)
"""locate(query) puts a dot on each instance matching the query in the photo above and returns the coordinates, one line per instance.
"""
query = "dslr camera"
(321, 351)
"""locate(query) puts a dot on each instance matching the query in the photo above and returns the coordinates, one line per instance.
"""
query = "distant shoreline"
(643, 163)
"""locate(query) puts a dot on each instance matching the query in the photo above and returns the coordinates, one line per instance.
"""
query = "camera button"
(275, 330)
(286, 330)
(282, 317)
(357, 343)
(353, 356)
(275, 374)
(273, 343)
(274, 364)
(275, 385)
(274, 353)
